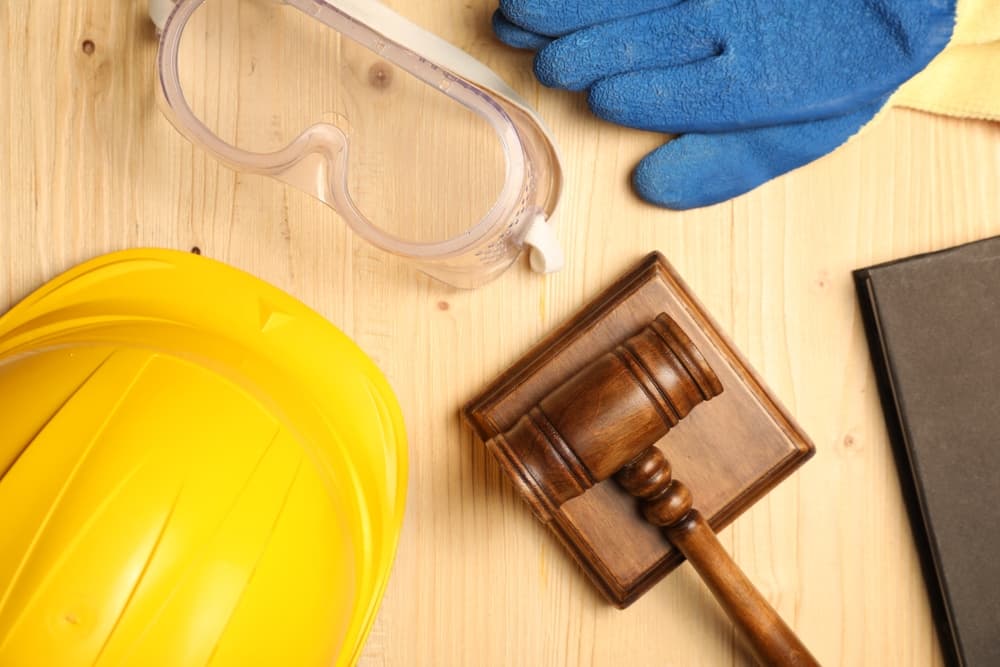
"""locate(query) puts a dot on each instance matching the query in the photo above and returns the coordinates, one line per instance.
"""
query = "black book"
(933, 325)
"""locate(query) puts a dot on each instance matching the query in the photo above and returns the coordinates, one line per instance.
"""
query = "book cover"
(933, 326)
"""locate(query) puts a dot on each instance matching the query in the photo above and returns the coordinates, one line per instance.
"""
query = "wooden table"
(89, 165)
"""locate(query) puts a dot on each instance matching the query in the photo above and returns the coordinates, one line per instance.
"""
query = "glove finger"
(698, 97)
(703, 169)
(559, 17)
(516, 36)
(658, 40)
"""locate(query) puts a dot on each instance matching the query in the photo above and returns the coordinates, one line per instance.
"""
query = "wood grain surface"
(88, 165)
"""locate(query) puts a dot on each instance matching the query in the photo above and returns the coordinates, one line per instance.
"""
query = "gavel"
(605, 422)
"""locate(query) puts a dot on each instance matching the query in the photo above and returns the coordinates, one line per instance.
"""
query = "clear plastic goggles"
(424, 151)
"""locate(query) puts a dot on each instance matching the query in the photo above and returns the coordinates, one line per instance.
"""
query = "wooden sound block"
(729, 452)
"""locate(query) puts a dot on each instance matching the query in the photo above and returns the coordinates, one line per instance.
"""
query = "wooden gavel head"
(607, 416)
(605, 421)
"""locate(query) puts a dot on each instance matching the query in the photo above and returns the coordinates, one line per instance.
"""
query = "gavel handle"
(667, 503)
(772, 641)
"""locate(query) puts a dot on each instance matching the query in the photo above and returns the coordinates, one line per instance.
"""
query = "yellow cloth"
(964, 80)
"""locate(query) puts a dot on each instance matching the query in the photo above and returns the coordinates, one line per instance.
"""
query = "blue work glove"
(758, 87)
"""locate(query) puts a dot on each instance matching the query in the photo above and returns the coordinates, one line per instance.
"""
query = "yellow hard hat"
(195, 469)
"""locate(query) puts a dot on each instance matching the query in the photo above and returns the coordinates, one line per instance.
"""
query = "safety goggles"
(424, 151)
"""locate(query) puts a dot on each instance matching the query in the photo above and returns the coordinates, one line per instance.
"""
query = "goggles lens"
(418, 164)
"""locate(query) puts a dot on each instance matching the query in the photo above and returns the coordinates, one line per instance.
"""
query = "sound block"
(729, 452)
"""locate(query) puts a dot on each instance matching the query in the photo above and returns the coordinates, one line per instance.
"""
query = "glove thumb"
(697, 170)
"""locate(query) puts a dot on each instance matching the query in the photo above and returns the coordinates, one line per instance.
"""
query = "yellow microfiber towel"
(964, 80)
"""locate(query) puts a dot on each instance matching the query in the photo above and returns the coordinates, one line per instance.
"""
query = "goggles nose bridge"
(316, 163)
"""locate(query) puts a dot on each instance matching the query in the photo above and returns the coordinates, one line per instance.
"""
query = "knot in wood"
(380, 75)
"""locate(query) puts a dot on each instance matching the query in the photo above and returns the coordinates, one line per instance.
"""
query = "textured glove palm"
(758, 87)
